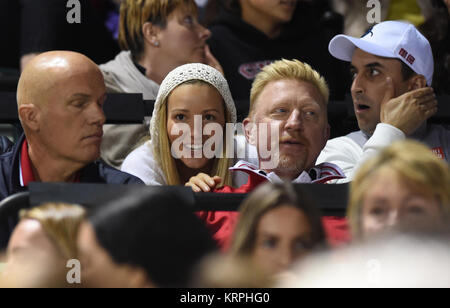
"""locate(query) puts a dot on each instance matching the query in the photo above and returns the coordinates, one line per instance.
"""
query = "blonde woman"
(41, 245)
(406, 184)
(191, 96)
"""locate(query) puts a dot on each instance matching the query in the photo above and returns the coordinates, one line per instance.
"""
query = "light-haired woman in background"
(405, 185)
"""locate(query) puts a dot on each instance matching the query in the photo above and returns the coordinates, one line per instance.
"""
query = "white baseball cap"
(390, 39)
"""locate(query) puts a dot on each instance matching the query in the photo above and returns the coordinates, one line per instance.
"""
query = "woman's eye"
(210, 117)
(180, 117)
(377, 211)
(269, 243)
(300, 246)
(416, 210)
(189, 20)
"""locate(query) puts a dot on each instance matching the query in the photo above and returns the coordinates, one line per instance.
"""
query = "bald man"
(60, 99)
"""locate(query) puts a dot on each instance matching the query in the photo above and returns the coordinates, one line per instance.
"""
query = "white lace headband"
(181, 74)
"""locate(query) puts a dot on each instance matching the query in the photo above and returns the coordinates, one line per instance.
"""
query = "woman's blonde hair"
(265, 198)
(60, 222)
(414, 163)
(163, 152)
(135, 13)
(287, 69)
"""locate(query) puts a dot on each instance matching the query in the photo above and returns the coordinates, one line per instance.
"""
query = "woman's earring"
(156, 44)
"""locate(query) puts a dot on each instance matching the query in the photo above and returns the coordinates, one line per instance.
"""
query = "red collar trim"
(25, 165)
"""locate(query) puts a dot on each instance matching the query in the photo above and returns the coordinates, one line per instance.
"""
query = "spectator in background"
(41, 245)
(60, 99)
(430, 17)
(405, 184)
(391, 261)
(189, 91)
(156, 36)
(249, 34)
(44, 27)
(277, 227)
(149, 238)
(392, 71)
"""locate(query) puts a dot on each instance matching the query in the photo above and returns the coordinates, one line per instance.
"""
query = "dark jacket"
(95, 172)
(243, 50)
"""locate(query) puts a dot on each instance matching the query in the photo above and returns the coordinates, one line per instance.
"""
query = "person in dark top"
(247, 35)
(60, 104)
(44, 26)
(437, 30)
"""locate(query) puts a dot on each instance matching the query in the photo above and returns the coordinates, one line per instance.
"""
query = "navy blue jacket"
(95, 172)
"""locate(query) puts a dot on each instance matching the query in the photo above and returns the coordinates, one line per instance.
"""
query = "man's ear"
(29, 115)
(150, 32)
(250, 131)
(417, 82)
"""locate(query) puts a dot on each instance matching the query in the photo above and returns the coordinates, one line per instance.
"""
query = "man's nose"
(294, 121)
(357, 85)
(96, 114)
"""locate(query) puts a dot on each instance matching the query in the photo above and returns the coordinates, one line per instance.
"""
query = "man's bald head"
(60, 100)
(49, 70)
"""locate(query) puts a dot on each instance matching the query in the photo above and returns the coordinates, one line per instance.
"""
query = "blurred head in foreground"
(148, 238)
(41, 245)
(389, 260)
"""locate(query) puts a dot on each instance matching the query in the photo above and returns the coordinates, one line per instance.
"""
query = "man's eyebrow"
(373, 64)
(369, 65)
(80, 95)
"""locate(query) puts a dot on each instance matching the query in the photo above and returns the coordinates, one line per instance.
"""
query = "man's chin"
(292, 164)
(90, 157)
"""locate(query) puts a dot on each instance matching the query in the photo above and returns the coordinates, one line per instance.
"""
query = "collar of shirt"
(25, 170)
(319, 174)
(25, 167)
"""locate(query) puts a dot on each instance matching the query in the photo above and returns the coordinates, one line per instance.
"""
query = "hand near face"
(408, 111)
(211, 60)
(203, 182)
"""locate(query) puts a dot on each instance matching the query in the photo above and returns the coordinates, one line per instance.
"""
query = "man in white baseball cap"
(392, 71)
